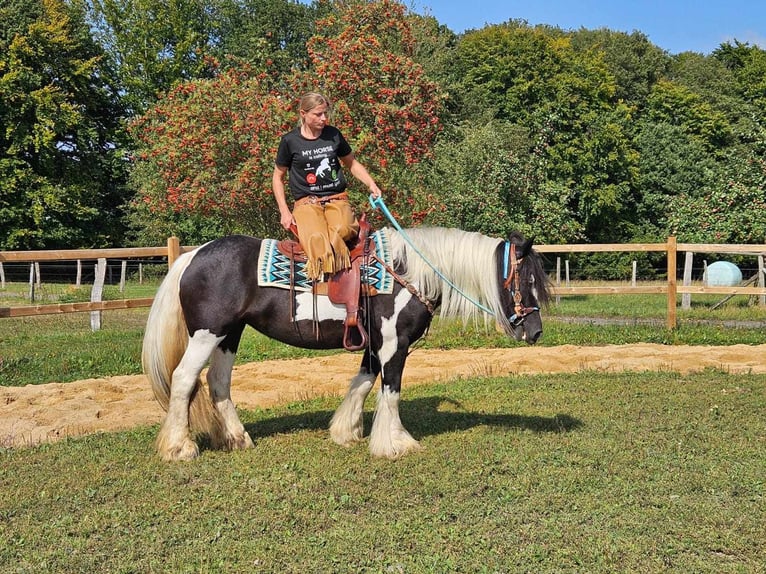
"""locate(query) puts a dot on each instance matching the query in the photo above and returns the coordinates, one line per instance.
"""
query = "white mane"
(466, 258)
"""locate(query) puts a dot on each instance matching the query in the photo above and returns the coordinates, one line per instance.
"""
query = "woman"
(313, 154)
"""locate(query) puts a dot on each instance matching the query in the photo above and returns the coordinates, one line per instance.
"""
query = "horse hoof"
(394, 449)
(345, 439)
(186, 451)
(240, 442)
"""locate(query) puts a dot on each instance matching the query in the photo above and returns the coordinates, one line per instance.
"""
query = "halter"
(520, 312)
(511, 273)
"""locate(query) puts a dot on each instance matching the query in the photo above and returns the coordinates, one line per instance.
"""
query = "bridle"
(512, 283)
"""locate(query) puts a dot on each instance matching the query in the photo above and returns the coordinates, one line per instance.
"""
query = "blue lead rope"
(378, 203)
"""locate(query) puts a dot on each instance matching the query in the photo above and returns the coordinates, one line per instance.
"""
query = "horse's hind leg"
(347, 424)
(231, 435)
(174, 441)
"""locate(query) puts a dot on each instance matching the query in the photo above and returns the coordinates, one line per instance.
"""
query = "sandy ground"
(38, 413)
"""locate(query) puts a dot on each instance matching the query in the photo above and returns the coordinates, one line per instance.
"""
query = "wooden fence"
(671, 288)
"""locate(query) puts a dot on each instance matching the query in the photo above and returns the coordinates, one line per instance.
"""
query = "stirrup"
(348, 325)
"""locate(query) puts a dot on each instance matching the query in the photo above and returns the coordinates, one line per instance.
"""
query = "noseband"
(511, 273)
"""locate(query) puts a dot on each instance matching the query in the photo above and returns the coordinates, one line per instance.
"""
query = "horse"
(211, 293)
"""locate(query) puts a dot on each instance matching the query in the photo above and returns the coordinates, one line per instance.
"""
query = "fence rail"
(173, 250)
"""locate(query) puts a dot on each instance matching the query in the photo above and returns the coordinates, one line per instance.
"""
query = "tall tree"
(533, 77)
(60, 175)
(154, 44)
(632, 59)
(208, 148)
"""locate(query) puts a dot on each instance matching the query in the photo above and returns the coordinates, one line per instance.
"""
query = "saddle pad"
(274, 267)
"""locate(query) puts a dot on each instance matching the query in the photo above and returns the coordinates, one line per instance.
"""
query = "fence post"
(634, 274)
(2, 276)
(761, 279)
(123, 273)
(31, 282)
(686, 298)
(672, 282)
(96, 293)
(174, 250)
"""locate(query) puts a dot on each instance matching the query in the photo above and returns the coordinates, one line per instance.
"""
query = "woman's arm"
(361, 173)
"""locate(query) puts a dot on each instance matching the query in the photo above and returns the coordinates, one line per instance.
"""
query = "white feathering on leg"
(347, 424)
(389, 438)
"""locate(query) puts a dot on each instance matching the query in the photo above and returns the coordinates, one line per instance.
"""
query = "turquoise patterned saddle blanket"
(275, 268)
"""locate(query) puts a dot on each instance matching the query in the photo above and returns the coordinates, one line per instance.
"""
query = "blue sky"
(674, 25)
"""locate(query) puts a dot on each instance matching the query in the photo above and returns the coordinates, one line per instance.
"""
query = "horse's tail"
(165, 336)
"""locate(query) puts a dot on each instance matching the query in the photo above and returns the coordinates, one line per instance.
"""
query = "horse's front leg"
(388, 437)
(347, 424)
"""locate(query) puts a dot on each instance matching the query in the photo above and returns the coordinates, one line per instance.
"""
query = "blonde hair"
(311, 100)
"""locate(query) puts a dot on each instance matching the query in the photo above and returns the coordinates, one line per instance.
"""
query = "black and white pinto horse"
(210, 294)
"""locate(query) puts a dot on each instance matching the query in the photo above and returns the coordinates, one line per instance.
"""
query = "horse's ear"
(526, 247)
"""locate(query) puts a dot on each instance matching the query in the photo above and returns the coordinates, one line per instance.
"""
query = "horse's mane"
(466, 258)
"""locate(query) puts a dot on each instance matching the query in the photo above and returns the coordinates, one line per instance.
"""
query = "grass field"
(651, 472)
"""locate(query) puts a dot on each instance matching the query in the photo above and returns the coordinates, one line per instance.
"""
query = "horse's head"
(524, 287)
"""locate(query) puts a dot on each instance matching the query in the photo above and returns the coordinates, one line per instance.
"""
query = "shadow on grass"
(422, 417)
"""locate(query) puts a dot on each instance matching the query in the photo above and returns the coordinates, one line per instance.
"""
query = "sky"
(673, 25)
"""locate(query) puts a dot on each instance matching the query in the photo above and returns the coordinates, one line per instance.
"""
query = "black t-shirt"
(314, 167)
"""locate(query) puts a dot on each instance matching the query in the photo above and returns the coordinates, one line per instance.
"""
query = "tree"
(154, 44)
(533, 77)
(492, 180)
(363, 57)
(732, 210)
(207, 149)
(677, 105)
(261, 31)
(672, 164)
(60, 174)
(632, 59)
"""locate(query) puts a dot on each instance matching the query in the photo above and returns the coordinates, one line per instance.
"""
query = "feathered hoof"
(187, 450)
(346, 435)
(239, 442)
(346, 440)
(395, 448)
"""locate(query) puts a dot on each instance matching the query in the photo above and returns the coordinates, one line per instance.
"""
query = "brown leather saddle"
(344, 287)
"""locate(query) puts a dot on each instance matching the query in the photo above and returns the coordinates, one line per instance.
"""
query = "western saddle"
(344, 287)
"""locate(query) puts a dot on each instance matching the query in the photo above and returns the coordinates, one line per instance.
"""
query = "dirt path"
(38, 413)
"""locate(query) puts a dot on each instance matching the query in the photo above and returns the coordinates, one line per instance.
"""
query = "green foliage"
(732, 211)
(534, 78)
(612, 138)
(155, 44)
(207, 149)
(673, 164)
(60, 174)
(490, 181)
(676, 105)
(273, 32)
(635, 63)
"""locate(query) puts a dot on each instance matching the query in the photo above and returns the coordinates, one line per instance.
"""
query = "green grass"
(633, 472)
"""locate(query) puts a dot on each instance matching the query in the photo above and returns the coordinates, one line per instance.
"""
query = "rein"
(520, 312)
